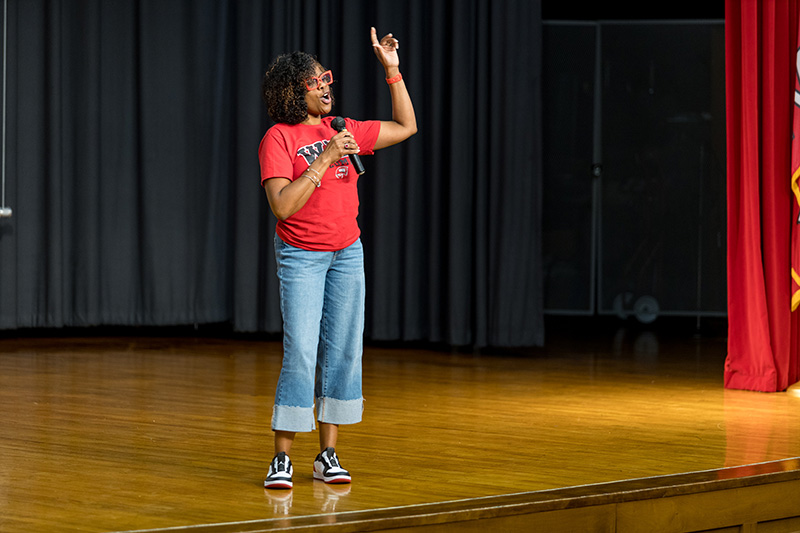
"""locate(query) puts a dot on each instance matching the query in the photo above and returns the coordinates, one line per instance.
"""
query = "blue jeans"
(322, 303)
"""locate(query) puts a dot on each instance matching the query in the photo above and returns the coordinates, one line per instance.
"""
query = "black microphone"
(338, 125)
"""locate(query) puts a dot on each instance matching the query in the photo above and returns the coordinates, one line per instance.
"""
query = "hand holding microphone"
(339, 125)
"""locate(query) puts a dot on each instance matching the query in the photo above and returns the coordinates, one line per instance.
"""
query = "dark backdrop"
(133, 129)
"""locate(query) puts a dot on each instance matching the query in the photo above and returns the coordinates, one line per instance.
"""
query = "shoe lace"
(279, 464)
(333, 460)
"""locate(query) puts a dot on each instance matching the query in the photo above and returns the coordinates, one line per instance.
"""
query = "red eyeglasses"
(314, 81)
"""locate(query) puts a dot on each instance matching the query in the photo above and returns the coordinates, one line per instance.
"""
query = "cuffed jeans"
(322, 303)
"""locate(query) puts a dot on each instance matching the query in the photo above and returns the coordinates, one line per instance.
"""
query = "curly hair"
(283, 87)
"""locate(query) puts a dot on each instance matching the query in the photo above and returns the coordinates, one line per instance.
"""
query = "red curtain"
(761, 69)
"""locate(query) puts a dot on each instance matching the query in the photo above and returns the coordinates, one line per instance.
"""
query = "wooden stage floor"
(124, 433)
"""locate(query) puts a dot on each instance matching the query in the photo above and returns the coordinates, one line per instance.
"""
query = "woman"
(311, 187)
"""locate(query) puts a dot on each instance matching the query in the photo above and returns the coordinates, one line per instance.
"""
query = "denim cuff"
(289, 418)
(333, 411)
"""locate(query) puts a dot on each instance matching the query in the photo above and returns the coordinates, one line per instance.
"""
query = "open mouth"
(326, 97)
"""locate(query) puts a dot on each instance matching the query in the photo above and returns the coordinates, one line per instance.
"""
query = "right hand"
(342, 144)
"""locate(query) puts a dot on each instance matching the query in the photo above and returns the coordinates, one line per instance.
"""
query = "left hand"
(386, 49)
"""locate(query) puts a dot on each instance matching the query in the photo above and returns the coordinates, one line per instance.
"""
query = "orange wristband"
(394, 79)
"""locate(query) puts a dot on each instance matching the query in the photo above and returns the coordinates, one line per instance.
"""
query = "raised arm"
(404, 122)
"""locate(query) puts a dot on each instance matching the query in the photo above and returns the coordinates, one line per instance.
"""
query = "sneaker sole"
(277, 484)
(333, 480)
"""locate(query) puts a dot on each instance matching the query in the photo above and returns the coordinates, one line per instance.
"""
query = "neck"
(312, 120)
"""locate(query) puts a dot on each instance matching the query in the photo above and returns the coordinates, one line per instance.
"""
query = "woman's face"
(320, 99)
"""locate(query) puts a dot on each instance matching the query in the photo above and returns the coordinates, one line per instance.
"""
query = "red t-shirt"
(327, 222)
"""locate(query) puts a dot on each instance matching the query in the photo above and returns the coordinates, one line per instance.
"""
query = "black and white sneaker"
(328, 469)
(280, 473)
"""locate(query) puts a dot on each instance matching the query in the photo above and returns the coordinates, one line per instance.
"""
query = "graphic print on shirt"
(311, 152)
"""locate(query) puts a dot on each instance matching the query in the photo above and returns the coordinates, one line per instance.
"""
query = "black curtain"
(133, 128)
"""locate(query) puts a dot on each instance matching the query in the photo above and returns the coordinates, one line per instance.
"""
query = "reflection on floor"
(115, 433)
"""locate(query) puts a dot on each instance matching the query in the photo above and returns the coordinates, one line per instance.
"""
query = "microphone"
(338, 125)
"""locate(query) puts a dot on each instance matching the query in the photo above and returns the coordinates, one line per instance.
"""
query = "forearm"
(402, 108)
(287, 197)
(404, 121)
